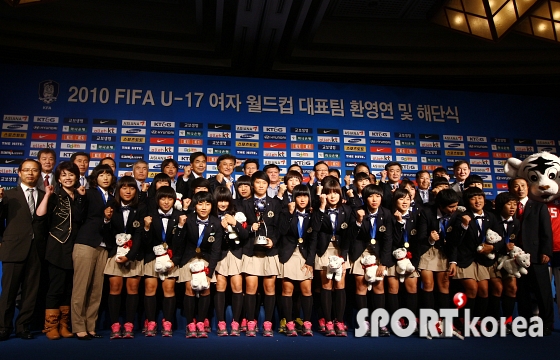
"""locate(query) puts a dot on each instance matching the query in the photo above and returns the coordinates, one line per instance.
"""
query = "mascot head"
(542, 172)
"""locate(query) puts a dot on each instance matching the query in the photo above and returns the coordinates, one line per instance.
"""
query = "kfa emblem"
(48, 91)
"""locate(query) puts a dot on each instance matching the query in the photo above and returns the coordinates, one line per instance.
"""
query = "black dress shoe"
(25, 335)
(85, 337)
(95, 336)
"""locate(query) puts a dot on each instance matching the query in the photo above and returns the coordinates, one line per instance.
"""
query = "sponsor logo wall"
(132, 115)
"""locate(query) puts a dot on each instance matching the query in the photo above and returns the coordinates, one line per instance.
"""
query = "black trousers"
(60, 288)
(15, 274)
(537, 281)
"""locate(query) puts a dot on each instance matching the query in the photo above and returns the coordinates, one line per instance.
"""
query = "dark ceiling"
(381, 42)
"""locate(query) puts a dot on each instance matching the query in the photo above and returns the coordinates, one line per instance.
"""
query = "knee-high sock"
(379, 301)
(317, 304)
(131, 307)
(411, 303)
(340, 301)
(471, 304)
(269, 301)
(203, 305)
(392, 302)
(361, 302)
(169, 308)
(189, 304)
(114, 303)
(287, 307)
(494, 307)
(307, 306)
(249, 306)
(442, 300)
(427, 299)
(236, 305)
(481, 306)
(220, 305)
(326, 304)
(508, 304)
(296, 304)
(150, 305)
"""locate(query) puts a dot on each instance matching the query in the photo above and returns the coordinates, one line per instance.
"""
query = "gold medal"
(300, 240)
(413, 232)
(270, 214)
(372, 241)
(343, 225)
(165, 246)
(211, 239)
(136, 224)
(333, 238)
(406, 245)
(382, 228)
(198, 250)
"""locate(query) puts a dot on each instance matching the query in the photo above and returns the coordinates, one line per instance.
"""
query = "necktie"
(480, 224)
(46, 181)
(125, 207)
(303, 215)
(31, 201)
(371, 216)
(407, 216)
(82, 181)
(519, 211)
(462, 186)
(164, 216)
(202, 222)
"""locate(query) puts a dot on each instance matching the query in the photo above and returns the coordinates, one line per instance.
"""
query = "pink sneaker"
(341, 329)
(145, 326)
(150, 329)
(267, 329)
(322, 327)
(291, 329)
(191, 331)
(222, 331)
(166, 330)
(115, 331)
(243, 326)
(207, 326)
(200, 330)
(306, 330)
(234, 329)
(329, 329)
(128, 331)
(251, 329)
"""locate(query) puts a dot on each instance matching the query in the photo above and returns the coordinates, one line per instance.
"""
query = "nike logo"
(128, 165)
(273, 145)
(427, 136)
(476, 154)
(103, 122)
(327, 131)
(9, 161)
(378, 149)
(42, 136)
(521, 141)
(160, 140)
(218, 126)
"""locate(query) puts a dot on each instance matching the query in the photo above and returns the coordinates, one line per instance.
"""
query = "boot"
(65, 322)
(51, 324)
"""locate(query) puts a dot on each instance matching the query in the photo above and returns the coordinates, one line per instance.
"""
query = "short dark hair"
(302, 190)
(168, 161)
(400, 193)
(222, 193)
(361, 176)
(196, 154)
(226, 157)
(420, 173)
(48, 151)
(200, 182)
(243, 180)
(271, 166)
(295, 165)
(458, 163)
(33, 160)
(259, 175)
(320, 163)
(79, 153)
(108, 158)
(336, 171)
(447, 197)
(98, 170)
(162, 177)
(331, 184)
(471, 192)
(439, 180)
(126, 181)
(472, 179)
(68, 166)
(371, 189)
(501, 200)
(405, 182)
(293, 174)
(165, 191)
(512, 180)
(360, 164)
(438, 170)
(202, 196)
(392, 163)
(251, 161)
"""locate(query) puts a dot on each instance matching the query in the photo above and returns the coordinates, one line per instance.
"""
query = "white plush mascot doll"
(335, 267)
(370, 266)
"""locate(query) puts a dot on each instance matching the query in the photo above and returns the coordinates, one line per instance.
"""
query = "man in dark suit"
(193, 171)
(535, 238)
(226, 167)
(23, 211)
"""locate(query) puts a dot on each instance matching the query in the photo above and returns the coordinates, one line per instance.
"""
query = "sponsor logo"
(425, 159)
(70, 120)
(270, 145)
(500, 140)
(133, 131)
(523, 141)
(219, 134)
(477, 139)
(105, 122)
(270, 153)
(302, 146)
(101, 155)
(190, 133)
(483, 154)
(525, 148)
(132, 156)
(246, 128)
(103, 147)
(545, 142)
(405, 151)
(36, 136)
(247, 144)
(275, 137)
(380, 142)
(405, 135)
(8, 170)
(302, 154)
(274, 129)
(429, 136)
(454, 153)
(9, 126)
(11, 161)
(328, 147)
(479, 162)
(14, 135)
(501, 147)
(189, 150)
(430, 152)
(141, 123)
(329, 139)
(162, 124)
(379, 134)
(453, 137)
(105, 138)
(247, 136)
(247, 152)
(162, 132)
(162, 140)
(41, 145)
(76, 146)
(328, 131)
(303, 162)
(410, 167)
(381, 157)
(45, 119)
(48, 91)
(187, 125)
(430, 144)
(131, 147)
(429, 167)
(478, 146)
(401, 158)
(218, 142)
(157, 157)
(74, 129)
(104, 130)
(377, 149)
(191, 142)
(354, 140)
(133, 139)
(356, 156)
(276, 161)
(44, 128)
(405, 143)
(547, 149)
(499, 170)
(297, 130)
(68, 154)
(151, 166)
(499, 162)
(454, 145)
(333, 163)
(480, 169)
(354, 148)
(353, 132)
(16, 118)
(378, 166)
(301, 138)
(13, 152)
(328, 155)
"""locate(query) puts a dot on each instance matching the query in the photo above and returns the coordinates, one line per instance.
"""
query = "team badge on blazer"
(174, 229)
(413, 232)
(343, 225)
(270, 214)
(310, 230)
(512, 237)
(450, 229)
(211, 238)
(136, 224)
(382, 228)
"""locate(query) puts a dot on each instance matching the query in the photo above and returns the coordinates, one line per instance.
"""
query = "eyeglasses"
(34, 170)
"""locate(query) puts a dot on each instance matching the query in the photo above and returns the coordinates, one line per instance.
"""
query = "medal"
(413, 232)
(382, 228)
(270, 214)
(173, 232)
(198, 250)
(136, 224)
(165, 246)
(406, 245)
(333, 238)
(343, 225)
(211, 239)
(300, 240)
(372, 241)
(450, 229)
(512, 237)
